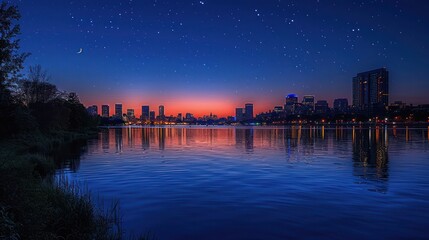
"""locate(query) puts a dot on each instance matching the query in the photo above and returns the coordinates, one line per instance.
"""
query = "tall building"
(308, 100)
(152, 115)
(291, 102)
(145, 113)
(371, 91)
(341, 105)
(308, 104)
(248, 111)
(239, 114)
(118, 110)
(92, 110)
(105, 111)
(161, 111)
(321, 107)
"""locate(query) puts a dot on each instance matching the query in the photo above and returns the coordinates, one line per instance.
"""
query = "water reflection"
(68, 156)
(118, 139)
(244, 137)
(105, 139)
(370, 157)
(273, 183)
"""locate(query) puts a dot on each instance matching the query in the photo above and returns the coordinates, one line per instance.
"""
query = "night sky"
(215, 55)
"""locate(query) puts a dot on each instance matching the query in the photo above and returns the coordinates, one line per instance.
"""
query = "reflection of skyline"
(369, 148)
(105, 139)
(370, 156)
(118, 139)
(308, 139)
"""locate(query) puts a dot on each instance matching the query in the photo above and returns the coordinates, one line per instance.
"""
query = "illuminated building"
(371, 91)
(291, 102)
(278, 109)
(308, 104)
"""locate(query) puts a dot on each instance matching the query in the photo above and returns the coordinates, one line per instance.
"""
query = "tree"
(36, 88)
(11, 61)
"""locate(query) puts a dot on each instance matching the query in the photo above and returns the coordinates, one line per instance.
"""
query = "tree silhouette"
(36, 88)
(11, 61)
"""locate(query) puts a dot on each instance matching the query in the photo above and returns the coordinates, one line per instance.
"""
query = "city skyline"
(194, 55)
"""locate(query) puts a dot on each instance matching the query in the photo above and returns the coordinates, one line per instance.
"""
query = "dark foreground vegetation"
(36, 119)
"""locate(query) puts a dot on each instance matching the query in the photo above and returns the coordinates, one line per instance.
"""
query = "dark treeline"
(29, 102)
(36, 121)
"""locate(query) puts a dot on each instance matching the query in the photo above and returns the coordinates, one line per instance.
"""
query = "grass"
(34, 205)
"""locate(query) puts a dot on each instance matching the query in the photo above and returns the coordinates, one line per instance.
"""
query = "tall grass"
(34, 205)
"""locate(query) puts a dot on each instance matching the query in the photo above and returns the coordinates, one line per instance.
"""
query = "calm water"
(262, 183)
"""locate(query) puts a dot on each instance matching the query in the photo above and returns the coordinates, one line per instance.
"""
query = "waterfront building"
(118, 110)
(371, 91)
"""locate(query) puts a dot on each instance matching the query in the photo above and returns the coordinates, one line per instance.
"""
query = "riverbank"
(35, 206)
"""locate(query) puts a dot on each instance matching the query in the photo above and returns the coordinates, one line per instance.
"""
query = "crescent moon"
(80, 51)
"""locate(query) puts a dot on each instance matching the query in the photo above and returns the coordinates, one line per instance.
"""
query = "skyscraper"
(371, 91)
(152, 115)
(239, 114)
(291, 101)
(118, 110)
(248, 111)
(105, 111)
(161, 111)
(145, 113)
(308, 104)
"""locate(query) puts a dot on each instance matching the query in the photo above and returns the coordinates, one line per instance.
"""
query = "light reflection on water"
(262, 183)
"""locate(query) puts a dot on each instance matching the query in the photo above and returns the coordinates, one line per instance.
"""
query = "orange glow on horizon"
(198, 107)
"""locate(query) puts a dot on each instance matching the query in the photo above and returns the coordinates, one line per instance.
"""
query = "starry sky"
(214, 55)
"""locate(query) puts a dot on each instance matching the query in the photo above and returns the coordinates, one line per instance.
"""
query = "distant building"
(130, 113)
(322, 107)
(118, 110)
(180, 117)
(371, 91)
(161, 111)
(92, 110)
(145, 113)
(105, 111)
(278, 109)
(248, 111)
(291, 102)
(341, 105)
(239, 114)
(308, 104)
(189, 116)
(398, 104)
(152, 115)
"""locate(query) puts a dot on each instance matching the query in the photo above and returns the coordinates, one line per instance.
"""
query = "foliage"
(11, 62)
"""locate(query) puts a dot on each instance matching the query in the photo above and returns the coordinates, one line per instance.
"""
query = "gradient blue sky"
(215, 55)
